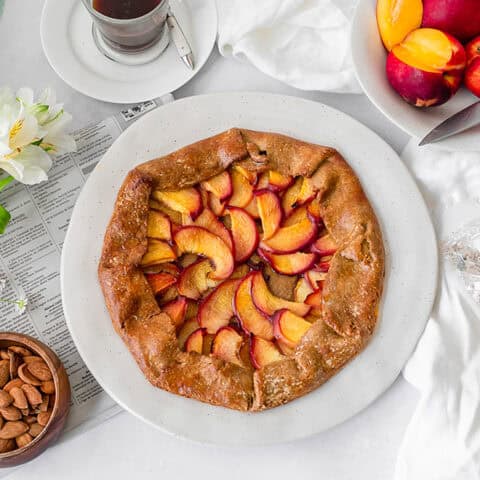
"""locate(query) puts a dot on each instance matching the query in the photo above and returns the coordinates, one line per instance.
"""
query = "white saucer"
(66, 33)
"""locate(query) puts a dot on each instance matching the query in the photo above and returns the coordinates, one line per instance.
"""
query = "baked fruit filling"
(238, 262)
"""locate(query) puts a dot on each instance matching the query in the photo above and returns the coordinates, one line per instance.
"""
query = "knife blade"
(463, 120)
(180, 40)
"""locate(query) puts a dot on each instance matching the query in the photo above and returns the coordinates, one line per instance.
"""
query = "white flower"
(21, 305)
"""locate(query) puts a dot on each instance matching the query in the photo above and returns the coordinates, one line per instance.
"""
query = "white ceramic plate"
(68, 44)
(369, 58)
(411, 268)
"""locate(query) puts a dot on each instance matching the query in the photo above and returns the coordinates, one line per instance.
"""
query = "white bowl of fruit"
(419, 62)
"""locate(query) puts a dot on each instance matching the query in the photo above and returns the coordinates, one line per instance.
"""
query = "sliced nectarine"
(315, 301)
(302, 290)
(173, 215)
(251, 319)
(397, 18)
(323, 266)
(176, 310)
(290, 263)
(220, 185)
(242, 190)
(252, 209)
(307, 191)
(217, 308)
(270, 212)
(160, 281)
(324, 245)
(290, 197)
(250, 175)
(157, 252)
(296, 215)
(199, 241)
(194, 280)
(170, 268)
(194, 342)
(244, 233)
(210, 222)
(292, 238)
(188, 328)
(315, 278)
(187, 201)
(216, 205)
(268, 303)
(314, 209)
(226, 345)
(240, 271)
(158, 226)
(289, 328)
(263, 352)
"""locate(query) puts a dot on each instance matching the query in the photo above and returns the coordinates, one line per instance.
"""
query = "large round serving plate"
(411, 268)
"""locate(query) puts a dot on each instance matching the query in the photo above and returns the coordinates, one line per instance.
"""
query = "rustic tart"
(243, 270)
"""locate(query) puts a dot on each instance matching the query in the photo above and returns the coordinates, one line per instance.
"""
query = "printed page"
(30, 253)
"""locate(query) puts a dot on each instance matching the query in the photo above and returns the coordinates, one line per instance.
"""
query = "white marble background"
(363, 448)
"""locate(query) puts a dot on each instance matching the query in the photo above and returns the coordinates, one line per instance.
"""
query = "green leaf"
(4, 218)
(5, 181)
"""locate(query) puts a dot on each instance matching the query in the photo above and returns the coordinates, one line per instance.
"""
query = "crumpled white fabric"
(304, 43)
(442, 440)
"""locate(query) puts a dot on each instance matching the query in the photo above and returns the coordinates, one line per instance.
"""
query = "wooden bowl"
(61, 407)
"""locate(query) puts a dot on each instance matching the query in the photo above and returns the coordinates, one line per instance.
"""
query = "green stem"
(5, 181)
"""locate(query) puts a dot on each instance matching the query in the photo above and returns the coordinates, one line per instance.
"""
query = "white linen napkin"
(442, 441)
(304, 43)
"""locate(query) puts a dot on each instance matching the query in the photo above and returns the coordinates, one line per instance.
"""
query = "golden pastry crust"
(352, 287)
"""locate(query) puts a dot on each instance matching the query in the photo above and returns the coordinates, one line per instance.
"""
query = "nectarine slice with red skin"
(244, 233)
(292, 238)
(250, 318)
(302, 290)
(160, 281)
(322, 266)
(315, 301)
(199, 241)
(157, 252)
(284, 348)
(432, 51)
(290, 197)
(263, 352)
(226, 345)
(274, 181)
(307, 191)
(269, 211)
(324, 245)
(268, 303)
(216, 310)
(194, 280)
(194, 342)
(176, 310)
(216, 205)
(252, 208)
(242, 190)
(250, 175)
(187, 329)
(290, 263)
(397, 18)
(208, 220)
(187, 200)
(289, 328)
(220, 185)
(158, 226)
(315, 278)
(314, 209)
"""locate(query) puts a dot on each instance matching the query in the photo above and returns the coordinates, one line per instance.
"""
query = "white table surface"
(364, 447)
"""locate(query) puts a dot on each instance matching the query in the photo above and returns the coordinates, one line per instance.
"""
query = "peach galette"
(243, 270)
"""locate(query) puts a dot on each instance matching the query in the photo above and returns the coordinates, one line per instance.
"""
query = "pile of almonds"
(27, 396)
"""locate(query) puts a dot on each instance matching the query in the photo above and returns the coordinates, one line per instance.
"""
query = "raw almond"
(4, 355)
(23, 440)
(5, 399)
(31, 358)
(35, 429)
(7, 445)
(48, 387)
(40, 370)
(28, 377)
(42, 419)
(30, 419)
(20, 350)
(34, 397)
(19, 398)
(15, 362)
(13, 430)
(43, 407)
(11, 413)
(16, 382)
(4, 372)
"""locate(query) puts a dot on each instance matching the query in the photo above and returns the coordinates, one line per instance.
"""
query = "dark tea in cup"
(124, 9)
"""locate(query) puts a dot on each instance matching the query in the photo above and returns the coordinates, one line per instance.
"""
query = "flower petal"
(48, 97)
(24, 131)
(60, 143)
(25, 94)
(30, 166)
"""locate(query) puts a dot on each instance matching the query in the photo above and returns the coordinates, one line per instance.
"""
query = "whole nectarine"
(472, 48)
(472, 76)
(426, 69)
(460, 18)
